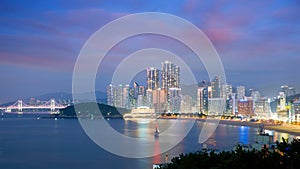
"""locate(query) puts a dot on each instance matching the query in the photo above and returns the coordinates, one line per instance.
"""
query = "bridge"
(20, 106)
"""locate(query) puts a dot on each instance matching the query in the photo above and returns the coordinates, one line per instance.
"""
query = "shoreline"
(284, 128)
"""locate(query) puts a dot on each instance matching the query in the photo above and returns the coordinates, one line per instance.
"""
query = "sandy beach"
(285, 128)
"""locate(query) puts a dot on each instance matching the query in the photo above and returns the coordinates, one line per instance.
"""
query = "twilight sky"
(258, 41)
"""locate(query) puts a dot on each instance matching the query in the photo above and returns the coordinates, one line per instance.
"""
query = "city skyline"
(40, 41)
(163, 93)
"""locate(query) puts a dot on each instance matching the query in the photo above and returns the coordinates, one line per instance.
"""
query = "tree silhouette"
(286, 155)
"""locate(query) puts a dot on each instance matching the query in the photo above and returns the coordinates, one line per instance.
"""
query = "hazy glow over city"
(258, 42)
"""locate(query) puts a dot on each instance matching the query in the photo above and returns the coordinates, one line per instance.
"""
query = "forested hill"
(90, 109)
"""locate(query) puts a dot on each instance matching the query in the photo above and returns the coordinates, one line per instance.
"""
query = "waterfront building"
(279, 107)
(159, 100)
(186, 104)
(135, 93)
(245, 107)
(200, 99)
(203, 94)
(216, 106)
(218, 96)
(207, 94)
(174, 100)
(296, 106)
(230, 105)
(262, 107)
(140, 101)
(282, 101)
(149, 98)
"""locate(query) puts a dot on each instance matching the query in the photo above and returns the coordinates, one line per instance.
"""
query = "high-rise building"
(296, 108)
(111, 95)
(256, 96)
(216, 106)
(170, 82)
(174, 100)
(232, 104)
(216, 98)
(288, 91)
(203, 95)
(226, 91)
(282, 101)
(126, 97)
(200, 99)
(119, 96)
(135, 90)
(140, 101)
(216, 87)
(152, 78)
(159, 100)
(149, 98)
(240, 92)
(186, 104)
(245, 107)
(170, 75)
(282, 107)
(262, 107)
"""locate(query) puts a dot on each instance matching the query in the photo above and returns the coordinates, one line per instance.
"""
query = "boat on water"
(141, 114)
(207, 149)
(262, 140)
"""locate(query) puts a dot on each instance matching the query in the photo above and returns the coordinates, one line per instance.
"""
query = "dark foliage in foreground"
(286, 156)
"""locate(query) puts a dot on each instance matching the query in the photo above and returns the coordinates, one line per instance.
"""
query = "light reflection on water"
(32, 143)
(244, 134)
(224, 138)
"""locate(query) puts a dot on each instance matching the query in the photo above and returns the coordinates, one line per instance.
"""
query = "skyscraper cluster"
(286, 105)
(162, 90)
(247, 103)
(216, 98)
(211, 97)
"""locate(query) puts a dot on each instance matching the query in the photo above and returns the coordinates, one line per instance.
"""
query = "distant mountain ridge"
(100, 96)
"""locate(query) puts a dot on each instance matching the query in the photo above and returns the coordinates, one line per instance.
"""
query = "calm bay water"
(29, 142)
